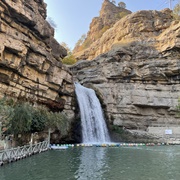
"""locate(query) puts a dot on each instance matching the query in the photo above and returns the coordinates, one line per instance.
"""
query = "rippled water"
(98, 163)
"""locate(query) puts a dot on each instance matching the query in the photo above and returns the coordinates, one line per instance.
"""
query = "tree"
(21, 121)
(52, 22)
(65, 45)
(6, 112)
(122, 4)
(176, 12)
(80, 42)
(69, 59)
(113, 1)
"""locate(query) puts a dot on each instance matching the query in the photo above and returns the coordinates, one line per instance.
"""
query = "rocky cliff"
(142, 26)
(136, 72)
(108, 16)
(30, 57)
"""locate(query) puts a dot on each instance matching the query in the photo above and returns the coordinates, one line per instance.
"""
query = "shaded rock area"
(136, 72)
(30, 57)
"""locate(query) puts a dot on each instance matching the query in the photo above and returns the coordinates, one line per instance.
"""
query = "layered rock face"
(142, 26)
(30, 57)
(137, 72)
(108, 16)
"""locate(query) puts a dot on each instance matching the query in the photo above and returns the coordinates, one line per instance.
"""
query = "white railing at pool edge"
(14, 154)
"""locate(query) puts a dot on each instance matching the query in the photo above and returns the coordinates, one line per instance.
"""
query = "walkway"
(14, 154)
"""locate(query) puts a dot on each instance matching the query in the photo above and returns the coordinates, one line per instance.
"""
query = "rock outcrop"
(30, 57)
(137, 72)
(108, 16)
(142, 27)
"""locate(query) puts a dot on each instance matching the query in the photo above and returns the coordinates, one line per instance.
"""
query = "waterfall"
(94, 129)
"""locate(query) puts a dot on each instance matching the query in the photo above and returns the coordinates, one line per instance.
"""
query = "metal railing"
(14, 154)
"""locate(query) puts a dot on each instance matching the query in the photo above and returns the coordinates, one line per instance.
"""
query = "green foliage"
(69, 60)
(6, 111)
(176, 12)
(117, 129)
(23, 118)
(121, 14)
(178, 107)
(80, 42)
(122, 4)
(86, 43)
(39, 119)
(66, 47)
(59, 121)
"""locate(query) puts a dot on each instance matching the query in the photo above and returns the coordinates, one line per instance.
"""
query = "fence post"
(49, 136)
(0, 131)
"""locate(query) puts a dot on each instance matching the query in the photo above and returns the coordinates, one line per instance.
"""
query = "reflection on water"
(92, 164)
(98, 163)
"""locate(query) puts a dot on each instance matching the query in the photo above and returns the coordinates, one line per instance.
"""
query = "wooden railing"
(14, 154)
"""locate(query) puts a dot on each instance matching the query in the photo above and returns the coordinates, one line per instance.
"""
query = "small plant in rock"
(69, 59)
(176, 12)
(178, 107)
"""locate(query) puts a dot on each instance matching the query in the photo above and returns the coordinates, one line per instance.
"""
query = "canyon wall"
(30, 57)
(135, 71)
(108, 16)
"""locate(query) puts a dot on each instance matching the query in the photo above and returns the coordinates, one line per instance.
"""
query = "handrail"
(14, 154)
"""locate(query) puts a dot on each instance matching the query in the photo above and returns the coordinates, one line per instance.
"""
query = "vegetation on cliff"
(24, 118)
(109, 15)
(176, 12)
(178, 107)
(69, 59)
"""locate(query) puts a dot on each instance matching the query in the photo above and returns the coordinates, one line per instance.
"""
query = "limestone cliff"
(108, 16)
(30, 57)
(137, 72)
(141, 26)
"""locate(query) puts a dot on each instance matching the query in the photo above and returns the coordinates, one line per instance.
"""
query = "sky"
(73, 17)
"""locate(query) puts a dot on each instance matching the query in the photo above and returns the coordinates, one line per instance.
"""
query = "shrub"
(69, 60)
(86, 43)
(176, 12)
(121, 14)
(178, 107)
(122, 4)
(39, 119)
(23, 118)
(58, 121)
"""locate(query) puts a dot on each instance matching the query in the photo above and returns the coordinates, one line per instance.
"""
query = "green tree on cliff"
(69, 59)
(122, 4)
(176, 12)
(78, 45)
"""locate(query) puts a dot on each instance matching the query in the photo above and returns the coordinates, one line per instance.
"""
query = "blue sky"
(73, 17)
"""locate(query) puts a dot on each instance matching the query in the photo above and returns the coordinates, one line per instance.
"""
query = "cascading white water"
(94, 129)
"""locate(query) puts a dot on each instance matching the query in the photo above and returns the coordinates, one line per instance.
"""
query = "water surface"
(98, 163)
